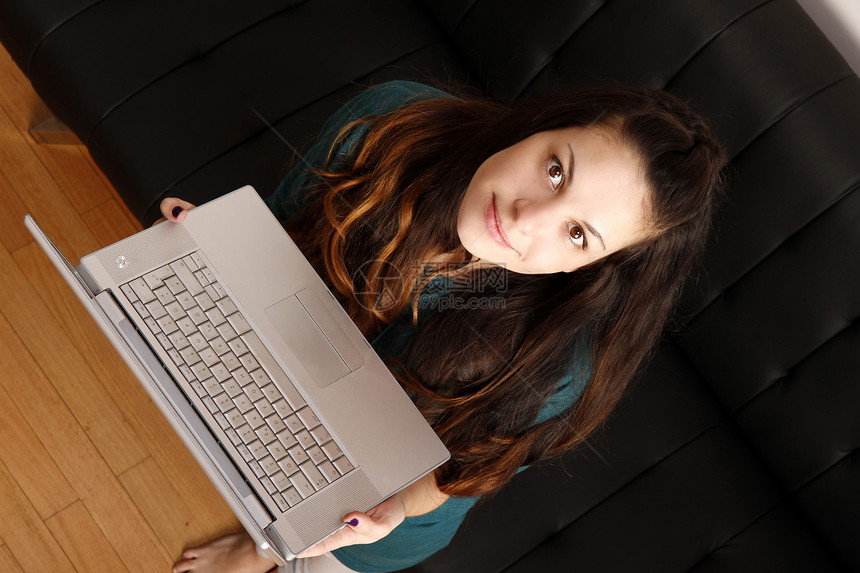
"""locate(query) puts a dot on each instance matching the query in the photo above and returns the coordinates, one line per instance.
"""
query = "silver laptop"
(271, 386)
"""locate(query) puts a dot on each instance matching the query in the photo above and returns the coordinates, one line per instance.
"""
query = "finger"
(175, 209)
(359, 529)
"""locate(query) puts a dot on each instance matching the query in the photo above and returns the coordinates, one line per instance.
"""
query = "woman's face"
(555, 201)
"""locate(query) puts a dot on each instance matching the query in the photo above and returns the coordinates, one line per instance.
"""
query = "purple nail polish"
(353, 522)
(176, 211)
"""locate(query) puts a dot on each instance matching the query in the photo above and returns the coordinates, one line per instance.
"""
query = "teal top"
(417, 537)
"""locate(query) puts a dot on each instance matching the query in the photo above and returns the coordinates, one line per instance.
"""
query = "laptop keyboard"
(271, 426)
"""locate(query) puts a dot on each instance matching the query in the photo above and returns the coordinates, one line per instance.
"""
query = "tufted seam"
(776, 382)
(713, 38)
(52, 30)
(739, 533)
(199, 56)
(551, 56)
(819, 475)
(463, 18)
(850, 189)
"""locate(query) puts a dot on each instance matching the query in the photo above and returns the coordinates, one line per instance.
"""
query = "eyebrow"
(570, 170)
(594, 232)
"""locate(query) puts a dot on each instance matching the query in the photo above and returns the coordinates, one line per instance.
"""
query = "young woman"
(513, 267)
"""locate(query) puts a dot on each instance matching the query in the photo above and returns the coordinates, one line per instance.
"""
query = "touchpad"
(307, 341)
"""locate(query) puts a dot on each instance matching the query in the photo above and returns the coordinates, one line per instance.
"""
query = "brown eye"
(555, 172)
(577, 235)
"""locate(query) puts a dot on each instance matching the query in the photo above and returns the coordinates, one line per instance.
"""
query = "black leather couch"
(737, 449)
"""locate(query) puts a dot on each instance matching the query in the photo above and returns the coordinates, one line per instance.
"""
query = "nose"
(532, 216)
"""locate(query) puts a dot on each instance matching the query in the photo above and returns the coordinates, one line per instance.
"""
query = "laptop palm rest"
(317, 340)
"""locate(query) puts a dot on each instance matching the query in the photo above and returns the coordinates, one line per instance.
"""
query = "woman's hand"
(421, 497)
(174, 210)
(364, 528)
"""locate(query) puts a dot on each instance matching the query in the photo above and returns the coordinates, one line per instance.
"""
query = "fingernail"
(353, 522)
(176, 211)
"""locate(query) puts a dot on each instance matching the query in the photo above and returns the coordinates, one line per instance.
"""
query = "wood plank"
(80, 183)
(164, 508)
(83, 542)
(24, 532)
(8, 562)
(40, 194)
(80, 461)
(13, 234)
(83, 185)
(29, 462)
(126, 528)
(68, 372)
(110, 222)
(17, 95)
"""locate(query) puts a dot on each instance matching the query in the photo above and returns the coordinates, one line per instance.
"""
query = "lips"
(494, 227)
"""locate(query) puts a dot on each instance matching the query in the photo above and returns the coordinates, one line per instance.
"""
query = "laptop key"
(174, 309)
(156, 309)
(283, 505)
(314, 475)
(246, 432)
(184, 274)
(292, 496)
(235, 418)
(343, 465)
(258, 449)
(266, 435)
(269, 465)
(164, 294)
(287, 439)
(288, 466)
(294, 424)
(254, 419)
(281, 481)
(298, 454)
(264, 407)
(167, 325)
(255, 467)
(142, 290)
(308, 418)
(305, 439)
(129, 293)
(321, 435)
(332, 450)
(238, 322)
(267, 483)
(317, 455)
(156, 277)
(277, 450)
(302, 485)
(276, 423)
(329, 471)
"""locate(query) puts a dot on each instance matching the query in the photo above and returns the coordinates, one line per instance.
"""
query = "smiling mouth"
(494, 227)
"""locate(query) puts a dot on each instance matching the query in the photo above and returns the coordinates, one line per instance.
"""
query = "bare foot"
(232, 553)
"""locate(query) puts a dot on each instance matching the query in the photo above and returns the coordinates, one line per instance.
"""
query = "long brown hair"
(481, 374)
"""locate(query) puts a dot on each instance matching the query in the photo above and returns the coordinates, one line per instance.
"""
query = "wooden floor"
(92, 478)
